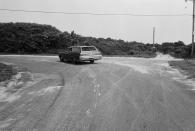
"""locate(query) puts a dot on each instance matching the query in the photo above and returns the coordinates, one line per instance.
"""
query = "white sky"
(128, 28)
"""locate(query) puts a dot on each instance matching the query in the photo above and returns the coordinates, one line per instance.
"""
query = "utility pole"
(192, 51)
(153, 36)
(154, 47)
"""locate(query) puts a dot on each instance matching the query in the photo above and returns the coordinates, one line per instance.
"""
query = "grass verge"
(6, 72)
(187, 67)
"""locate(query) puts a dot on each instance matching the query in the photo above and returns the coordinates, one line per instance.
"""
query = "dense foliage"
(25, 37)
(36, 38)
(176, 49)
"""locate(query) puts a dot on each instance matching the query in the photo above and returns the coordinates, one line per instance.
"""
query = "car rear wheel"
(74, 60)
(61, 59)
(91, 61)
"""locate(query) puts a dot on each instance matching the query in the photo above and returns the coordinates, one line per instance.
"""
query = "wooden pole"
(192, 51)
(153, 36)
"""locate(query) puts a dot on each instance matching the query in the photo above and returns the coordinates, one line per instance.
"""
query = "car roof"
(80, 46)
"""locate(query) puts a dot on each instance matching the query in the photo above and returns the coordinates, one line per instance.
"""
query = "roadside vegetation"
(175, 49)
(31, 38)
(186, 66)
(6, 72)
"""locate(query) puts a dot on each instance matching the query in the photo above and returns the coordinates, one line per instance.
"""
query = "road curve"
(114, 94)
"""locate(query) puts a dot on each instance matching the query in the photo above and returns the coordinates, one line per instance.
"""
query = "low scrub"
(6, 72)
(31, 38)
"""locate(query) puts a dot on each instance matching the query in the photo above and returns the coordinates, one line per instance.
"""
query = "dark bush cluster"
(176, 49)
(25, 37)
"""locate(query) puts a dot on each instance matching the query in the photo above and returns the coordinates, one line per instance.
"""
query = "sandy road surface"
(114, 94)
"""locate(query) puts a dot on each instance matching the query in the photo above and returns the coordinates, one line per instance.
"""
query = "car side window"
(76, 50)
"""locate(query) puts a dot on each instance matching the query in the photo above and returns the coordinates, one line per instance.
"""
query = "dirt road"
(114, 94)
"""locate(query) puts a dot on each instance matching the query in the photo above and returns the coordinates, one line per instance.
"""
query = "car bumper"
(88, 58)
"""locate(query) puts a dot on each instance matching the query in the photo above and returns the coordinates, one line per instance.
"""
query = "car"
(80, 53)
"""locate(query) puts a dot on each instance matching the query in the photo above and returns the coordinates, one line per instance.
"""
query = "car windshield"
(88, 48)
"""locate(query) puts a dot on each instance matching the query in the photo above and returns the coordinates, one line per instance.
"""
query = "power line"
(89, 13)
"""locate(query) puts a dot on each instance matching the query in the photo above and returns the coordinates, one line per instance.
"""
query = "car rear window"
(88, 48)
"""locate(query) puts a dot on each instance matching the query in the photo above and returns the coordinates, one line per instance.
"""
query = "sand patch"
(7, 96)
(43, 91)
(124, 62)
(12, 90)
(178, 76)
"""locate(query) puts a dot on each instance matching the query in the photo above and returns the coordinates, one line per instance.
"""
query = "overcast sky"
(128, 28)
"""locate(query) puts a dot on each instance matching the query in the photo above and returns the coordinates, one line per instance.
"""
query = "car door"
(68, 53)
(75, 53)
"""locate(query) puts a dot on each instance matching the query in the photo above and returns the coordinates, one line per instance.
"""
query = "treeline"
(30, 38)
